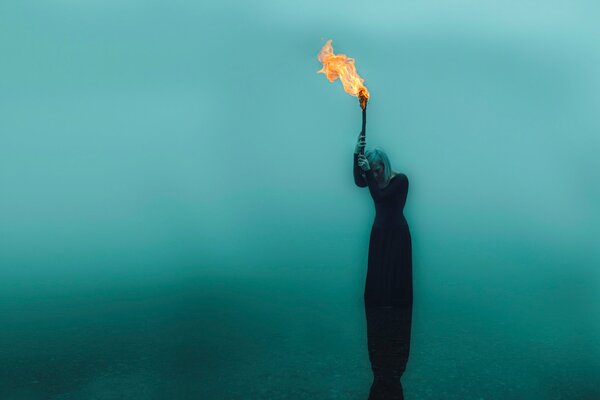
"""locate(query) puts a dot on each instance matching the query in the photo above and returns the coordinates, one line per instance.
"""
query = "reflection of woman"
(388, 340)
(389, 272)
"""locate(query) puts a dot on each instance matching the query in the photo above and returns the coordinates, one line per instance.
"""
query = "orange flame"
(341, 66)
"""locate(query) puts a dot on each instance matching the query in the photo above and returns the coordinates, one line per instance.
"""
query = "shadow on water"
(388, 338)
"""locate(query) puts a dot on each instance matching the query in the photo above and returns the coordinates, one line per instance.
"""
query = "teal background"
(178, 217)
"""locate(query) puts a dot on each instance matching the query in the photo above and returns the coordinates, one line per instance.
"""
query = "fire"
(341, 66)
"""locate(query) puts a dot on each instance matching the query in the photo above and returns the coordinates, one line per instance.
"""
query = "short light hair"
(378, 155)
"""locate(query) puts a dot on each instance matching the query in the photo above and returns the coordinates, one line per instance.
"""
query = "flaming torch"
(341, 66)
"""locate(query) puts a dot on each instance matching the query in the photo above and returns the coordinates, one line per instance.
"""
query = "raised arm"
(397, 185)
(359, 179)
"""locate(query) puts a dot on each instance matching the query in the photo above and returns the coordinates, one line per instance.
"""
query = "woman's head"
(380, 165)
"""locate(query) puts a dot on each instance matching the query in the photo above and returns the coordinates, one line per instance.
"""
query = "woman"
(389, 273)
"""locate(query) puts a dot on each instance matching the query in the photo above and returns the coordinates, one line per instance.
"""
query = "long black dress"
(389, 273)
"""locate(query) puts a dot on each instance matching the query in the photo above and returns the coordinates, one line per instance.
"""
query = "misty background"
(178, 214)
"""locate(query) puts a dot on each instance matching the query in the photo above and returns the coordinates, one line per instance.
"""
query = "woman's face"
(378, 171)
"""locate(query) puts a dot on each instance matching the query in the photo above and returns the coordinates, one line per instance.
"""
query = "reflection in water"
(388, 334)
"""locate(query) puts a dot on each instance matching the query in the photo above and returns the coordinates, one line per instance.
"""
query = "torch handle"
(364, 120)
(364, 127)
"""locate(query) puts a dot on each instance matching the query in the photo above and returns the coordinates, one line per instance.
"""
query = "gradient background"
(178, 217)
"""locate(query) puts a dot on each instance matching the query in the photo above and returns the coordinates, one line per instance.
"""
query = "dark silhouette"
(388, 337)
(388, 293)
(389, 273)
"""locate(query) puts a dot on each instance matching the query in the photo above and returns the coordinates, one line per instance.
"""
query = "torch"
(341, 66)
(363, 104)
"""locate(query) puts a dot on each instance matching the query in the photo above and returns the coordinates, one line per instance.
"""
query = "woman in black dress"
(388, 291)
(389, 272)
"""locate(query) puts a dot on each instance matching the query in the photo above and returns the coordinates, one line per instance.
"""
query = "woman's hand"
(360, 143)
(363, 163)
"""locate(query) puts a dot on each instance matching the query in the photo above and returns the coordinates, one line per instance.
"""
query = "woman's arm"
(359, 180)
(397, 185)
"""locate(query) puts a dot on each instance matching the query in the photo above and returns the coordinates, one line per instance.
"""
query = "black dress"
(389, 273)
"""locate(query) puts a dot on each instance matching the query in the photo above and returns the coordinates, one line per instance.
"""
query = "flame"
(341, 66)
